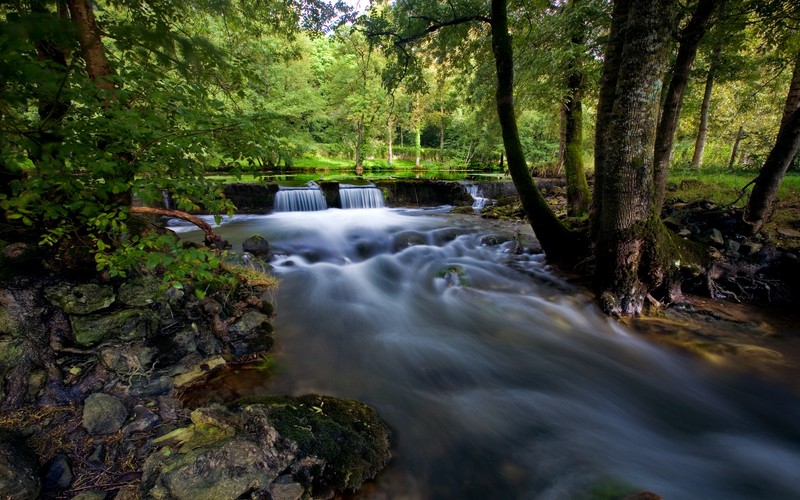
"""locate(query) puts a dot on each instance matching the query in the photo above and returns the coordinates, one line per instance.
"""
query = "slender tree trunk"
(735, 149)
(441, 135)
(562, 137)
(359, 141)
(691, 36)
(605, 105)
(702, 129)
(557, 242)
(91, 43)
(780, 158)
(390, 140)
(417, 144)
(577, 187)
(630, 233)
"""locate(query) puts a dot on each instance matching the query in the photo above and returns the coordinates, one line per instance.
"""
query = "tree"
(780, 158)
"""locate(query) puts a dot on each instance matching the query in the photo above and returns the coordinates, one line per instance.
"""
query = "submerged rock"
(256, 245)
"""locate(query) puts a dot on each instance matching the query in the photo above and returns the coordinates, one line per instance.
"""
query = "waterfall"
(479, 201)
(300, 199)
(360, 197)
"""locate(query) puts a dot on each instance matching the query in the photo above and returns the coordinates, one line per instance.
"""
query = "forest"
(124, 122)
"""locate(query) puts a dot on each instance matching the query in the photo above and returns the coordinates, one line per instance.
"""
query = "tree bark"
(557, 241)
(605, 104)
(417, 144)
(780, 158)
(735, 149)
(441, 135)
(690, 39)
(702, 129)
(390, 140)
(91, 43)
(359, 141)
(577, 187)
(211, 238)
(630, 232)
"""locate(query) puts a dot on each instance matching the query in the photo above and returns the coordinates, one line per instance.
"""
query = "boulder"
(103, 414)
(256, 245)
(126, 324)
(80, 299)
(278, 447)
(18, 469)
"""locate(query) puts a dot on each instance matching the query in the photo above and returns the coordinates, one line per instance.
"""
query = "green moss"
(348, 435)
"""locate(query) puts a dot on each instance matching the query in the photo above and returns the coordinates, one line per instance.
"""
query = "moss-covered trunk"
(557, 241)
(577, 187)
(630, 234)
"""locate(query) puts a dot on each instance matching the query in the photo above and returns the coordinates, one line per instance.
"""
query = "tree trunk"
(780, 158)
(92, 48)
(441, 135)
(577, 187)
(359, 141)
(562, 137)
(702, 129)
(605, 104)
(390, 140)
(691, 36)
(630, 233)
(417, 144)
(735, 149)
(557, 242)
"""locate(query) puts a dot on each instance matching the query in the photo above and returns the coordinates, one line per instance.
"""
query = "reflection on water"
(499, 379)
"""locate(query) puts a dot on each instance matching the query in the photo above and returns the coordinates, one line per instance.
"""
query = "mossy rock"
(126, 324)
(80, 299)
(141, 291)
(347, 435)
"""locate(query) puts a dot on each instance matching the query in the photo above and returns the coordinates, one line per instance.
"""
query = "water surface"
(499, 379)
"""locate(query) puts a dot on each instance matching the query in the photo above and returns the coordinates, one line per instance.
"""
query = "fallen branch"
(211, 239)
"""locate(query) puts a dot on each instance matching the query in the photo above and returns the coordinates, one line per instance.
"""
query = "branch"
(211, 238)
(433, 27)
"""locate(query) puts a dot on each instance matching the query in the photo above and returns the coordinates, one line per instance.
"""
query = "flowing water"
(360, 196)
(498, 379)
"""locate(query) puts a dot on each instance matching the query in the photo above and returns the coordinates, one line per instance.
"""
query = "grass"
(723, 187)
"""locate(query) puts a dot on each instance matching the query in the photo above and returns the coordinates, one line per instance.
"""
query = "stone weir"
(260, 198)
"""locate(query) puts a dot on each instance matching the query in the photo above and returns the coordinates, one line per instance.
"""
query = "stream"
(498, 378)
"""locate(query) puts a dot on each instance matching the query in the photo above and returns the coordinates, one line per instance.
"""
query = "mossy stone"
(103, 414)
(141, 291)
(81, 299)
(126, 324)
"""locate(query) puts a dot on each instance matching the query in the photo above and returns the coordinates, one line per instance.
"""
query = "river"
(498, 378)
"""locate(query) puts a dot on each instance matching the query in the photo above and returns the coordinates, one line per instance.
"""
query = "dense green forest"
(104, 100)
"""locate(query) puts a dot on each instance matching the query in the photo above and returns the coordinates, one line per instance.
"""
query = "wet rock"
(684, 232)
(251, 334)
(126, 324)
(103, 414)
(407, 239)
(256, 245)
(80, 299)
(732, 246)
(673, 222)
(196, 368)
(140, 291)
(18, 469)
(147, 386)
(127, 359)
(491, 240)
(281, 446)
(750, 248)
(143, 420)
(714, 236)
(57, 473)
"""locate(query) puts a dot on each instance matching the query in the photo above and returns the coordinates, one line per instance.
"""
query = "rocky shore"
(91, 377)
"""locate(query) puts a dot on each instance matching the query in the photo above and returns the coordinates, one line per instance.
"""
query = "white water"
(479, 201)
(299, 200)
(360, 197)
(499, 379)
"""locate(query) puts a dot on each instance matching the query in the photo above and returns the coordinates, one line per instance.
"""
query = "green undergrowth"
(723, 187)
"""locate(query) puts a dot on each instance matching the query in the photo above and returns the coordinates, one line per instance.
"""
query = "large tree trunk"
(780, 158)
(605, 104)
(92, 48)
(702, 129)
(690, 39)
(557, 242)
(577, 187)
(630, 234)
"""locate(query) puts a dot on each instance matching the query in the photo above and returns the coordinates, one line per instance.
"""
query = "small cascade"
(308, 199)
(360, 196)
(479, 201)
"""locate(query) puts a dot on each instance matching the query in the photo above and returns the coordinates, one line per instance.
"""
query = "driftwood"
(211, 238)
